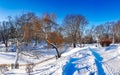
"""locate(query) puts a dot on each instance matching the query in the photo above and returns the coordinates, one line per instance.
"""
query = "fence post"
(13, 66)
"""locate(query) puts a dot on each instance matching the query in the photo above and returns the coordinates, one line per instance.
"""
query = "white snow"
(89, 60)
(72, 51)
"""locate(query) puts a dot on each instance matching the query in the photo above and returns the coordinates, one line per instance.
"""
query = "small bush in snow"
(105, 42)
(3, 69)
(29, 68)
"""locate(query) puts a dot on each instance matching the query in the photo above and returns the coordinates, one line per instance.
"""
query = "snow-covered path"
(79, 63)
(107, 60)
(98, 62)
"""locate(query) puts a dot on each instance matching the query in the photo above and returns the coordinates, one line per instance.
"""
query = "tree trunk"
(6, 45)
(113, 40)
(16, 59)
(74, 45)
(58, 54)
(17, 55)
(36, 40)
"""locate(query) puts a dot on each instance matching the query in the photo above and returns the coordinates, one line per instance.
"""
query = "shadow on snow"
(98, 60)
(111, 47)
(69, 68)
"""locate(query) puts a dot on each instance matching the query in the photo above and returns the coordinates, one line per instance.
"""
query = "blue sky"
(96, 11)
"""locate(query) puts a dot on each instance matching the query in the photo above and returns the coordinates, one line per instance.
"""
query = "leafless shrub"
(29, 68)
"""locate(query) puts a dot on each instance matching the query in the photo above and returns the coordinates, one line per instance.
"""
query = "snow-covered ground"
(88, 60)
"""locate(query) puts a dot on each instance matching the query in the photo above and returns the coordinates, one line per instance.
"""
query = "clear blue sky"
(96, 11)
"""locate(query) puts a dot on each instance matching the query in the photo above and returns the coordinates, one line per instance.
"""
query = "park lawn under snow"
(77, 61)
(24, 57)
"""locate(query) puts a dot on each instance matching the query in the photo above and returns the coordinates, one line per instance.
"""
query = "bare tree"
(27, 37)
(48, 21)
(89, 36)
(75, 26)
(20, 22)
(116, 31)
(105, 30)
(49, 25)
(5, 33)
(38, 33)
